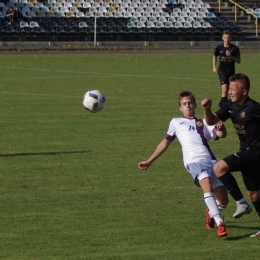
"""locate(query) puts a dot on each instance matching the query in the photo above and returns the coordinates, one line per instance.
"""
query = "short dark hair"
(243, 79)
(186, 94)
(226, 32)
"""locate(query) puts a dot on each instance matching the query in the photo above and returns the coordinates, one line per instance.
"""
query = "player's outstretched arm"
(221, 130)
(210, 117)
(163, 145)
(214, 61)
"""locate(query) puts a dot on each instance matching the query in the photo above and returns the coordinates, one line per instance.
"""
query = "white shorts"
(201, 170)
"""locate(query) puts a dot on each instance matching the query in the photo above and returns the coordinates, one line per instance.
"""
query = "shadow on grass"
(41, 153)
(242, 236)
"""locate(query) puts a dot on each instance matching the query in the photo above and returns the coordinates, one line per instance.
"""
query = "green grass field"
(70, 185)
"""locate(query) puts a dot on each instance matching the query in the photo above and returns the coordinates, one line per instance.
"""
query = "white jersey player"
(193, 135)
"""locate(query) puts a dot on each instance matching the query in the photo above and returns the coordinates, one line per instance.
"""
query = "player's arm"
(161, 148)
(210, 118)
(221, 130)
(235, 59)
(214, 63)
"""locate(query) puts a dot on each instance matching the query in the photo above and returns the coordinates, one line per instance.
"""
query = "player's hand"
(228, 53)
(215, 71)
(206, 103)
(219, 126)
(144, 165)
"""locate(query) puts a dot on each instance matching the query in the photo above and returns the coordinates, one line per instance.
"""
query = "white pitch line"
(107, 74)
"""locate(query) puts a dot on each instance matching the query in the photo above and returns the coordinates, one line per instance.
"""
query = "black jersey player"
(228, 54)
(245, 115)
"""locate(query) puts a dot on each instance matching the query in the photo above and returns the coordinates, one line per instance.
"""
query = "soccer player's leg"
(224, 82)
(222, 170)
(252, 183)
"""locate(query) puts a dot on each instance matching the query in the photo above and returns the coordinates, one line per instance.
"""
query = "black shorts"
(248, 165)
(224, 78)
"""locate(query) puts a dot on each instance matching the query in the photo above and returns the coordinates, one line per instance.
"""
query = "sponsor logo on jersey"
(199, 124)
(229, 111)
(243, 114)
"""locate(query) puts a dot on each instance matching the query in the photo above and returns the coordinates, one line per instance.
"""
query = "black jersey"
(226, 64)
(246, 121)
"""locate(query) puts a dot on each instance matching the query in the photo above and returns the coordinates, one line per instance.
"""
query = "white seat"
(24, 24)
(190, 19)
(159, 10)
(118, 15)
(93, 10)
(181, 19)
(197, 25)
(201, 14)
(109, 15)
(134, 5)
(204, 10)
(197, 5)
(97, 5)
(86, 5)
(187, 25)
(150, 24)
(59, 5)
(153, 19)
(159, 25)
(55, 9)
(176, 10)
(106, 5)
(146, 14)
(183, 14)
(140, 10)
(89, 14)
(74, 9)
(169, 25)
(172, 19)
(149, 10)
(102, 10)
(143, 5)
(71, 1)
(99, 14)
(162, 19)
(80, 14)
(174, 14)
(189, 6)
(39, 4)
(60, 14)
(161, 5)
(31, 14)
(61, 1)
(195, 10)
(185, 10)
(143, 19)
(137, 14)
(130, 10)
(45, 9)
(121, 10)
(193, 14)
(126, 1)
(64, 9)
(140, 24)
(155, 14)
(34, 24)
(124, 5)
(127, 14)
(165, 14)
(206, 5)
(68, 5)
(190, 2)
(178, 25)
(206, 25)
(152, 5)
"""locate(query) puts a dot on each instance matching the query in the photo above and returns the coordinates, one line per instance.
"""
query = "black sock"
(231, 184)
(257, 206)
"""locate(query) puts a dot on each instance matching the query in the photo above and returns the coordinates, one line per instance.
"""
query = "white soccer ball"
(94, 101)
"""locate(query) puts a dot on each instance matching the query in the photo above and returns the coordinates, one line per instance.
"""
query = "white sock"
(220, 206)
(211, 203)
(239, 201)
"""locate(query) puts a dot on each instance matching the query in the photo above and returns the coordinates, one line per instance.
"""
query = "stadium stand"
(123, 19)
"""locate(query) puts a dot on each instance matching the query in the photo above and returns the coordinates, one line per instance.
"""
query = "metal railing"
(236, 5)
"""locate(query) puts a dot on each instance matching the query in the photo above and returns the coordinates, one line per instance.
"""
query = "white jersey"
(193, 134)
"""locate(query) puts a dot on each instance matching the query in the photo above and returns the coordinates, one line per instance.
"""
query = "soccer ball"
(94, 101)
